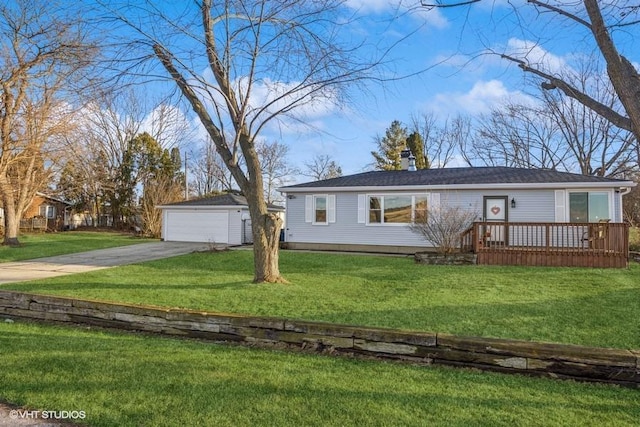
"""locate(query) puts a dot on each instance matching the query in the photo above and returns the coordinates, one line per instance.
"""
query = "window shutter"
(308, 208)
(362, 208)
(331, 208)
(561, 211)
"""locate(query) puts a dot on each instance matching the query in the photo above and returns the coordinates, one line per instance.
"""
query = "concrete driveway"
(43, 268)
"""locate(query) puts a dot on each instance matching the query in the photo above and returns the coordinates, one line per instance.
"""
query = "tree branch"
(556, 83)
(201, 111)
(560, 12)
(440, 5)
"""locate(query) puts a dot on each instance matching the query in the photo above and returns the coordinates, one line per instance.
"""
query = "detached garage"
(220, 219)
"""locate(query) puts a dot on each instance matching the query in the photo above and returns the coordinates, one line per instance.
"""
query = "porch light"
(513, 203)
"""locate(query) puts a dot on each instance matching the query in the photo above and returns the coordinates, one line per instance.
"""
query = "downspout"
(627, 190)
(622, 193)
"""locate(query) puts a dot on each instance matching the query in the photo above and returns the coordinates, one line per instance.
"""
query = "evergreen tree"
(389, 147)
(416, 145)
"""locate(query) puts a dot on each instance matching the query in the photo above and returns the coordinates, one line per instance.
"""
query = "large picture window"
(588, 207)
(396, 209)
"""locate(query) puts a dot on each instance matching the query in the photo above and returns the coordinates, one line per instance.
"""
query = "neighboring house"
(55, 211)
(370, 211)
(219, 219)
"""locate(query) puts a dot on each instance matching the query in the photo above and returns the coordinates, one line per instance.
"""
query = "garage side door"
(206, 227)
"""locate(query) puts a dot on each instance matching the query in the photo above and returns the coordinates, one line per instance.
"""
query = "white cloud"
(536, 56)
(169, 125)
(432, 17)
(268, 97)
(371, 6)
(483, 96)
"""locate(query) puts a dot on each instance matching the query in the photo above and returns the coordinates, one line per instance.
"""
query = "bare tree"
(163, 189)
(457, 133)
(439, 146)
(595, 145)
(42, 51)
(102, 149)
(275, 167)
(443, 226)
(598, 20)
(556, 133)
(264, 61)
(210, 174)
(322, 166)
(522, 136)
(631, 202)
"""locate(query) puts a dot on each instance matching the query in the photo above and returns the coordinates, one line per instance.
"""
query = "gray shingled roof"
(221, 200)
(455, 176)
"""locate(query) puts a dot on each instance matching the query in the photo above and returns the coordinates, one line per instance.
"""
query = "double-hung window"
(48, 211)
(320, 209)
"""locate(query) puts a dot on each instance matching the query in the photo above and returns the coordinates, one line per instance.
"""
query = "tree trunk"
(265, 228)
(623, 75)
(11, 219)
(266, 242)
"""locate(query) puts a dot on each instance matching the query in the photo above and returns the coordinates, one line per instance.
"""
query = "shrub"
(443, 227)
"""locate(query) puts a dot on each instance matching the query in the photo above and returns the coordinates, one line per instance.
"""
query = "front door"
(495, 210)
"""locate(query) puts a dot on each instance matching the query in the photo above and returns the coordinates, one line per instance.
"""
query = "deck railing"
(538, 243)
(31, 224)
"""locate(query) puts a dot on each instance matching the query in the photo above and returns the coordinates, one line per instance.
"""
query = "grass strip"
(580, 306)
(123, 379)
(51, 244)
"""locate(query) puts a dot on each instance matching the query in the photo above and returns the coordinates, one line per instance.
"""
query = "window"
(588, 207)
(420, 210)
(48, 211)
(320, 209)
(375, 210)
(396, 209)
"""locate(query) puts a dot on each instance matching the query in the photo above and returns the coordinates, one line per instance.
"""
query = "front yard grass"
(121, 379)
(38, 245)
(565, 305)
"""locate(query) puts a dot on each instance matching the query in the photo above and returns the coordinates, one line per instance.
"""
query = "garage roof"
(222, 200)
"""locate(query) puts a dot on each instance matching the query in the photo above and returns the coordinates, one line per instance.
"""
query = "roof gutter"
(452, 187)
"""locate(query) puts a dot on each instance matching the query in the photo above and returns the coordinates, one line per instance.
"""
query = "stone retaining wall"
(554, 360)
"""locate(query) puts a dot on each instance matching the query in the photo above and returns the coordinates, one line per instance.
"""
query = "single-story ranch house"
(370, 211)
(222, 219)
(43, 213)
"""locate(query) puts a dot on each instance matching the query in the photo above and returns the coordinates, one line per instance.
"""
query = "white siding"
(235, 227)
(351, 228)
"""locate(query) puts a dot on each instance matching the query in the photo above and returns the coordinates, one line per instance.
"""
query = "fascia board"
(452, 187)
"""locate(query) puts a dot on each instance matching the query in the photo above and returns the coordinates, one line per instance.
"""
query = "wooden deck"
(600, 245)
(33, 224)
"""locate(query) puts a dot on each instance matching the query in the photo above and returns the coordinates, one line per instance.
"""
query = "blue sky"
(442, 45)
(447, 45)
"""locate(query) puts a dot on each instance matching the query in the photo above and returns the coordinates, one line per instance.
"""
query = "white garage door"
(207, 227)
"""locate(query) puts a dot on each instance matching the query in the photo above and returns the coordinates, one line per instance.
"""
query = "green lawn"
(566, 305)
(50, 244)
(122, 379)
